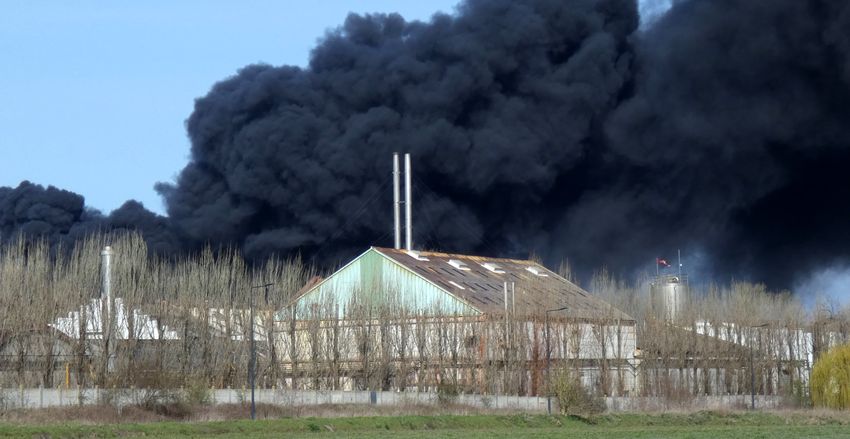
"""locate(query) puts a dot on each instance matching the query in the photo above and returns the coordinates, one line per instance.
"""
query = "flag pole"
(679, 251)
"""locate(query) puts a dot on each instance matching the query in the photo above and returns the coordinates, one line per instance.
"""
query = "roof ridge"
(450, 255)
(484, 289)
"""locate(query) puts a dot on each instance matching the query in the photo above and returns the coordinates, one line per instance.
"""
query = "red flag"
(662, 262)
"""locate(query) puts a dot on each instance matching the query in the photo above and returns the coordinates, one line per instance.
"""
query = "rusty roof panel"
(483, 288)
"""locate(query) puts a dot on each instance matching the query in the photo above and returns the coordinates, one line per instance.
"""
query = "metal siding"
(587, 339)
(418, 294)
(338, 289)
(377, 277)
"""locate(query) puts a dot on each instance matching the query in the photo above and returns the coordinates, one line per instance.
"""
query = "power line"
(356, 216)
(457, 220)
(432, 230)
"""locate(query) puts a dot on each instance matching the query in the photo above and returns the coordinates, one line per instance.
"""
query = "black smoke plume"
(553, 127)
(736, 139)
(51, 213)
(501, 107)
(60, 217)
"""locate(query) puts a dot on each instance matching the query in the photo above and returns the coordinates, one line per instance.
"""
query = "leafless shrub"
(574, 398)
(186, 323)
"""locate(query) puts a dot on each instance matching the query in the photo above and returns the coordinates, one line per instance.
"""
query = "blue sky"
(94, 94)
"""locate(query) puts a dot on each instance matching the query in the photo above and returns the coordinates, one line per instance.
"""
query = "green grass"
(698, 425)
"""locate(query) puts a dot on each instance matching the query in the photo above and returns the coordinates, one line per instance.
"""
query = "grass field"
(679, 426)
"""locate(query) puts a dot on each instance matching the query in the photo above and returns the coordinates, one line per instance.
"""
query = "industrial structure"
(451, 284)
(669, 294)
(501, 305)
(406, 319)
(497, 308)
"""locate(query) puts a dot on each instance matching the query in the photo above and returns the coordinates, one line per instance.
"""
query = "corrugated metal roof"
(480, 282)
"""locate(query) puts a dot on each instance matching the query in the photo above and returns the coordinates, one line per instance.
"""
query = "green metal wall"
(377, 278)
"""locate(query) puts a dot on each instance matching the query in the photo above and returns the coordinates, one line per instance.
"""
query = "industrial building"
(430, 318)
(669, 294)
(497, 309)
(452, 284)
(404, 319)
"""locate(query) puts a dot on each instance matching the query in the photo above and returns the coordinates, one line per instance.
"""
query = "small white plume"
(651, 10)
(832, 284)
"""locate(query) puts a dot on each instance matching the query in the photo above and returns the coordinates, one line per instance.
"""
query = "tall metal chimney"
(106, 285)
(408, 203)
(397, 200)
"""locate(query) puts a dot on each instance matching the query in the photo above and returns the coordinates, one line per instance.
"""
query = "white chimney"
(397, 200)
(408, 203)
(106, 283)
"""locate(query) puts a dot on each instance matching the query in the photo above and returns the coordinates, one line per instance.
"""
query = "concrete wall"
(726, 402)
(40, 398)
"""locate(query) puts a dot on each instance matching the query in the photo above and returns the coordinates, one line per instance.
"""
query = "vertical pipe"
(106, 287)
(507, 332)
(408, 203)
(752, 375)
(507, 340)
(506, 301)
(397, 200)
(253, 366)
(513, 298)
(548, 375)
(679, 252)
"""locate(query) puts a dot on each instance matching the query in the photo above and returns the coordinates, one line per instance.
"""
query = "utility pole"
(679, 252)
(549, 360)
(752, 369)
(106, 320)
(252, 366)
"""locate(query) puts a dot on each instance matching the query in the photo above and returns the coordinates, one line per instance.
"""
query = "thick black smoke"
(53, 213)
(737, 139)
(501, 107)
(60, 217)
(553, 127)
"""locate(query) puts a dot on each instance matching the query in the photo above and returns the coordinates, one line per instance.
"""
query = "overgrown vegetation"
(575, 398)
(447, 394)
(196, 326)
(700, 425)
(831, 379)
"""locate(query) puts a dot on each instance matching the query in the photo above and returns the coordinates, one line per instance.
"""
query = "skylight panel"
(490, 266)
(536, 271)
(460, 265)
(416, 255)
